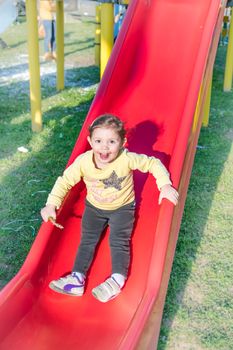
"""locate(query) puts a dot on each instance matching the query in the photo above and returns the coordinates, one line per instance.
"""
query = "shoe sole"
(61, 291)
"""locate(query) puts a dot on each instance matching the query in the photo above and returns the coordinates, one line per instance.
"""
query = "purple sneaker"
(71, 284)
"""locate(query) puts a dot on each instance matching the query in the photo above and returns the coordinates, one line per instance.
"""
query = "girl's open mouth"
(104, 156)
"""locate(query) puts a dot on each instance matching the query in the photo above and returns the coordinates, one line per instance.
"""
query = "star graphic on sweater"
(113, 181)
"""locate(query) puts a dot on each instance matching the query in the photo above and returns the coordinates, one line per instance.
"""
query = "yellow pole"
(206, 109)
(34, 65)
(106, 42)
(60, 43)
(97, 34)
(197, 110)
(229, 59)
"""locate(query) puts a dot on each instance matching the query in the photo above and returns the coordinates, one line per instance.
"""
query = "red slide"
(164, 52)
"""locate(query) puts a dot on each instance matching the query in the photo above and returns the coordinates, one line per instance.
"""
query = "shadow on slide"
(164, 53)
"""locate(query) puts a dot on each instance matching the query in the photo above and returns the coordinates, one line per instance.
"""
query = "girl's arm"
(71, 176)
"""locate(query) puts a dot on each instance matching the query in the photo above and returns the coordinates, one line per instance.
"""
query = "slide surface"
(152, 82)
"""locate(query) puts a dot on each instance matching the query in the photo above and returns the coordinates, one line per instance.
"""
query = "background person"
(47, 12)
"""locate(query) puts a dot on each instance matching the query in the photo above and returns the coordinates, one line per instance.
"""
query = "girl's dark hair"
(108, 121)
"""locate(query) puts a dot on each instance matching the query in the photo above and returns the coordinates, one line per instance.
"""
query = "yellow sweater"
(111, 187)
(47, 9)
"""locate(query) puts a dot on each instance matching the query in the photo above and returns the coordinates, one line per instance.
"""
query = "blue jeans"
(50, 32)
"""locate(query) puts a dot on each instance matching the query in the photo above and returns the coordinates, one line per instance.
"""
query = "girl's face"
(106, 144)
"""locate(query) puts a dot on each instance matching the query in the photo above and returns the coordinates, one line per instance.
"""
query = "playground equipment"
(106, 34)
(153, 84)
(104, 37)
(97, 34)
(229, 58)
(34, 65)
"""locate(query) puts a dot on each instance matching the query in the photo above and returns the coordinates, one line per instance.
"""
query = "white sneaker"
(70, 284)
(107, 290)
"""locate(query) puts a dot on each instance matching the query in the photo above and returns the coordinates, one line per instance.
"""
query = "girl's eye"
(112, 141)
(97, 141)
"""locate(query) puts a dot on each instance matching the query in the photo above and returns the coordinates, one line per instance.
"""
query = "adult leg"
(93, 223)
(48, 33)
(53, 36)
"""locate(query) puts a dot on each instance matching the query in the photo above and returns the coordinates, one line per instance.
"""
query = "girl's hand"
(48, 211)
(170, 193)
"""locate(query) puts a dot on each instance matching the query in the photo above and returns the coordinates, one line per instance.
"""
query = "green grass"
(198, 310)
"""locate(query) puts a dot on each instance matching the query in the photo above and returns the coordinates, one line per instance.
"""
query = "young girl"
(107, 170)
